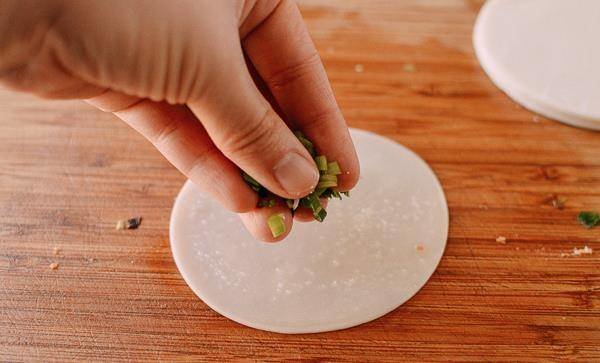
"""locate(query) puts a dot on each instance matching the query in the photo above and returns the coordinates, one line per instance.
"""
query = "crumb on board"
(501, 239)
(359, 68)
(484, 207)
(53, 266)
(582, 251)
(409, 68)
(121, 224)
(558, 202)
(56, 251)
(91, 259)
(419, 247)
(536, 119)
(586, 250)
(131, 223)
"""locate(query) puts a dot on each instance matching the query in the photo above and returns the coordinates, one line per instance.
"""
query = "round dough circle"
(544, 54)
(374, 251)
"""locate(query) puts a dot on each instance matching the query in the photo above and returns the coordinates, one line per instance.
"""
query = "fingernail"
(296, 175)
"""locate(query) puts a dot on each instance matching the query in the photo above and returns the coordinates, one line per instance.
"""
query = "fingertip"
(348, 180)
(256, 222)
(350, 168)
(305, 215)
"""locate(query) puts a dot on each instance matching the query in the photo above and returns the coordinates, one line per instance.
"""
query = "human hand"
(216, 86)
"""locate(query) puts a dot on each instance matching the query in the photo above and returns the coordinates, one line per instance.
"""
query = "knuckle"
(163, 135)
(321, 118)
(198, 164)
(297, 70)
(251, 137)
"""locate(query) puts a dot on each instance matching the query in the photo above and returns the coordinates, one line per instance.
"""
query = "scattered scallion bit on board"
(558, 203)
(131, 223)
(328, 171)
(589, 219)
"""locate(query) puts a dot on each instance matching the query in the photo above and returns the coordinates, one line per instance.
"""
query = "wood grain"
(68, 172)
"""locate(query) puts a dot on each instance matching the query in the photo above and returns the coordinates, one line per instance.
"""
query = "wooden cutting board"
(404, 69)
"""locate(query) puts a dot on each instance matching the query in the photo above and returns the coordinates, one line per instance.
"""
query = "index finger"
(285, 57)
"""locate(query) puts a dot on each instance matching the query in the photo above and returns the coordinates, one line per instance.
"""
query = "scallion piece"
(305, 202)
(321, 215)
(328, 193)
(327, 181)
(324, 190)
(327, 184)
(300, 135)
(251, 182)
(321, 162)
(315, 204)
(589, 219)
(319, 191)
(333, 168)
(266, 202)
(276, 224)
(306, 142)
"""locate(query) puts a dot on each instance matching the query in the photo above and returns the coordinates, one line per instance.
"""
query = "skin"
(216, 86)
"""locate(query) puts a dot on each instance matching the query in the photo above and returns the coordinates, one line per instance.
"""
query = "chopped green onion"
(327, 181)
(321, 215)
(306, 142)
(300, 135)
(333, 168)
(328, 193)
(315, 204)
(276, 224)
(327, 184)
(319, 191)
(251, 182)
(328, 177)
(321, 161)
(589, 219)
(305, 202)
(266, 202)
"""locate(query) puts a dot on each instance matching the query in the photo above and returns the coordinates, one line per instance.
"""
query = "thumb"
(246, 129)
